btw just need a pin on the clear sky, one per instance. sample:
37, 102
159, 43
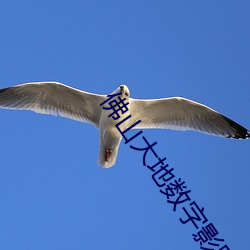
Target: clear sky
53, 194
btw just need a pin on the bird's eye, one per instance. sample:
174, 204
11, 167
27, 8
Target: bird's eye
126, 93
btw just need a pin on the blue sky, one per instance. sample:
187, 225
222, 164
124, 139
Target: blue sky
53, 194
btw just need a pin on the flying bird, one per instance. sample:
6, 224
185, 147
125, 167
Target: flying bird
175, 113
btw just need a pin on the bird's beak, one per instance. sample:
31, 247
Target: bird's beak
122, 88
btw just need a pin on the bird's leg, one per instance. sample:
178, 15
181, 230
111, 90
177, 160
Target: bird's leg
108, 154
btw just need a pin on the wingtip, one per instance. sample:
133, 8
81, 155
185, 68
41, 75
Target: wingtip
239, 131
3, 90
248, 135
241, 135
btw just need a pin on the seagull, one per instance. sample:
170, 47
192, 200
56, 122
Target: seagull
175, 113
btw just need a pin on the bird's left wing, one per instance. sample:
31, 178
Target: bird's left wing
53, 98
182, 114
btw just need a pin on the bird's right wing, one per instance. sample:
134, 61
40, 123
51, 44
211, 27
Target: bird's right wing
182, 114
54, 98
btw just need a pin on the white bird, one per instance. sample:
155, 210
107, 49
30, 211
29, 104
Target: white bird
167, 113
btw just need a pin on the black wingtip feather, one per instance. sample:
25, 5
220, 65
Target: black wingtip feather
3, 90
239, 131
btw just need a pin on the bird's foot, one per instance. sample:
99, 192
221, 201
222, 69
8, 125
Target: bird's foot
108, 154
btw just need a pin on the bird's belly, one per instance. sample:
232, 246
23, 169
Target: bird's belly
108, 130
109, 122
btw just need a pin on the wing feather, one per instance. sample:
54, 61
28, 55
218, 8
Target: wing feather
178, 113
53, 98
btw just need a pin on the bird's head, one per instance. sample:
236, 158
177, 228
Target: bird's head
122, 89
125, 91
